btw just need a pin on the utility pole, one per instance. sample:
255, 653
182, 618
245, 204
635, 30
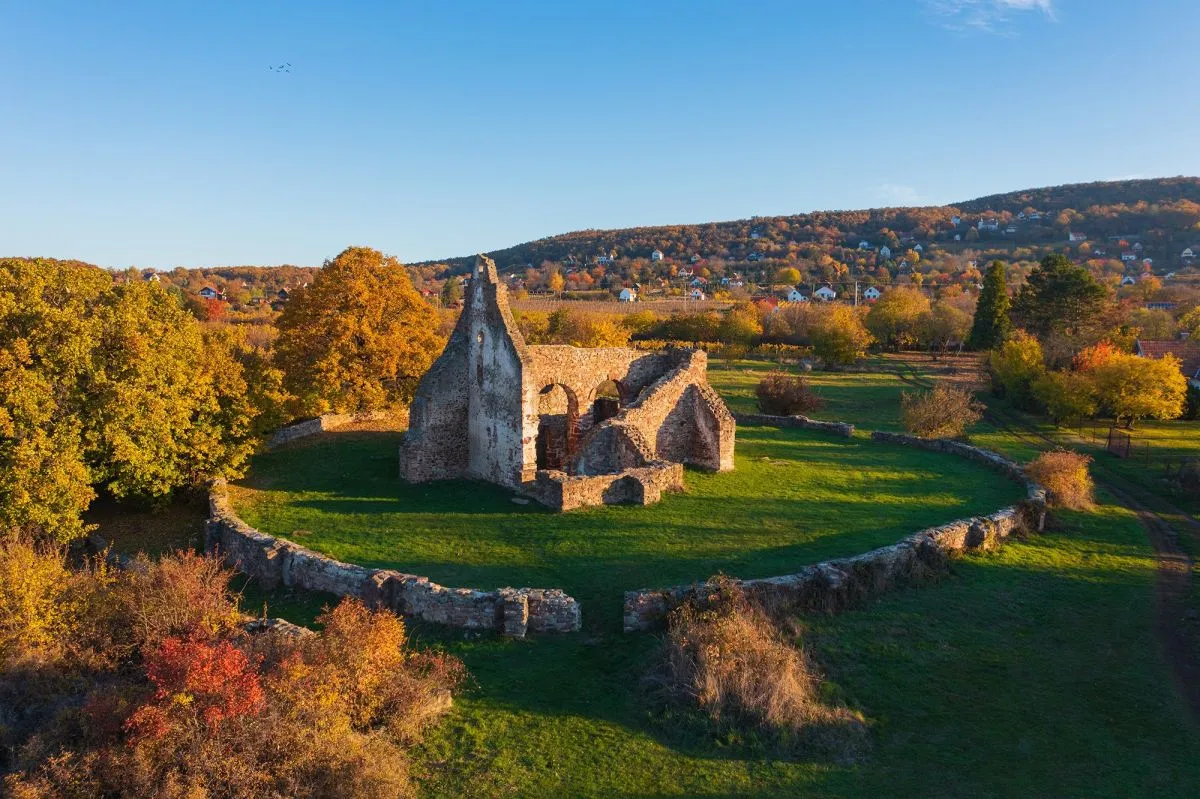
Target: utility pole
856, 294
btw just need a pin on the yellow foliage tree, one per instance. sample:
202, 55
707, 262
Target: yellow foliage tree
895, 318
1016, 364
1133, 388
838, 335
358, 338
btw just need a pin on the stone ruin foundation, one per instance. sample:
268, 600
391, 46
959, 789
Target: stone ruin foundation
567, 426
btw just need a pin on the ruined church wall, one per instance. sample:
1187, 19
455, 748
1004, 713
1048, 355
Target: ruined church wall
434, 446
582, 370
274, 562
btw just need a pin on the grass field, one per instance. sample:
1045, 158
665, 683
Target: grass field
795, 497
1032, 671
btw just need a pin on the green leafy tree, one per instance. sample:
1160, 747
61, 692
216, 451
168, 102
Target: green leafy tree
1066, 396
1059, 297
991, 324
358, 337
451, 291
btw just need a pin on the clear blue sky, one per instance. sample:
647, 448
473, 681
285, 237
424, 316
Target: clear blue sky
153, 134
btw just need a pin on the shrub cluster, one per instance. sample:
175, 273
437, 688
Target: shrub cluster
1064, 474
945, 411
725, 659
143, 682
782, 394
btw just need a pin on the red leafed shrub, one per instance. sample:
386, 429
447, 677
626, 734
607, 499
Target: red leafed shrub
781, 394
194, 679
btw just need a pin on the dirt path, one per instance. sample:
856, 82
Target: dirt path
1176, 621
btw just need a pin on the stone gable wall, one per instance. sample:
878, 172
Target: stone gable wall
274, 562
836, 584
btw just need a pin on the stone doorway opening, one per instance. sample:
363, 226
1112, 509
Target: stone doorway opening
558, 428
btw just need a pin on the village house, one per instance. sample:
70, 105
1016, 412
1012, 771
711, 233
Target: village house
627, 295
864, 245
885, 252
1128, 256
754, 256
871, 294
956, 220
1010, 229
988, 224
918, 248
794, 295
696, 294
1128, 280
210, 293
656, 255
825, 294
150, 275
1073, 236
1187, 254
1186, 350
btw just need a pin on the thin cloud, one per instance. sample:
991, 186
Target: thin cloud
985, 16
894, 195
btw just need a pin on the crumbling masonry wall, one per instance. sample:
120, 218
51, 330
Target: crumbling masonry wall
478, 413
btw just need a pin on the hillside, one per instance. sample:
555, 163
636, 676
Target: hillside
1162, 214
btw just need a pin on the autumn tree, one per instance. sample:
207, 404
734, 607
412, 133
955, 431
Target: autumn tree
839, 336
943, 325
113, 387
1015, 365
451, 291
894, 319
1067, 396
1133, 388
358, 337
991, 324
739, 325
1058, 297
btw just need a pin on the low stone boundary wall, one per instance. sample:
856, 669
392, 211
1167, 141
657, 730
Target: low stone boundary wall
838, 428
835, 584
310, 427
273, 562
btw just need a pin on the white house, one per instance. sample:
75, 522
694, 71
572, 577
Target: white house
918, 248
1128, 257
956, 220
1128, 280
627, 295
988, 224
864, 245
1137, 246
794, 295
958, 237
695, 294
1010, 229
885, 252
1073, 236
695, 259
825, 294
1148, 263
604, 260
656, 255
209, 293
699, 281
871, 294
1187, 254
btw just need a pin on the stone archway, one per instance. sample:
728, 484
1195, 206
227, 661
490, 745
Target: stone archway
558, 427
607, 401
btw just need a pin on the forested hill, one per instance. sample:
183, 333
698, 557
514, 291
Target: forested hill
1162, 211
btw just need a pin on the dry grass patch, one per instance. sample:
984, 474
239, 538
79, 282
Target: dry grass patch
1064, 474
724, 658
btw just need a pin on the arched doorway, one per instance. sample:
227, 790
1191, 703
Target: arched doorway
606, 402
558, 427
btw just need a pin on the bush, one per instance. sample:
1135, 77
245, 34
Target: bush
724, 658
1064, 475
781, 394
943, 412
144, 682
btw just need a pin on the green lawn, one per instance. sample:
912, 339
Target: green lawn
1032, 671
796, 497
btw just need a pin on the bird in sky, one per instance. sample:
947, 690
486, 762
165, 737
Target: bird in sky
286, 67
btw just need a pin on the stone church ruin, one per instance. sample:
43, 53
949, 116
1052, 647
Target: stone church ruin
567, 426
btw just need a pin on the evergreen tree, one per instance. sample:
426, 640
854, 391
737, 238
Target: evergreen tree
991, 325
451, 292
1058, 297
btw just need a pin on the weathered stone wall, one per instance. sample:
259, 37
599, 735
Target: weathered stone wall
837, 428
633, 486
310, 427
478, 412
835, 584
274, 562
